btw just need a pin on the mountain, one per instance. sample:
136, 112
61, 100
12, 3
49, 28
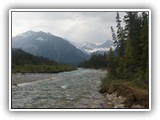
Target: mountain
93, 48
88, 46
106, 44
50, 46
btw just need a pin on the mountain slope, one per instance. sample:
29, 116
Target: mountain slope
50, 46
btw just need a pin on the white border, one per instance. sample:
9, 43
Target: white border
150, 62
81, 10
78, 10
10, 42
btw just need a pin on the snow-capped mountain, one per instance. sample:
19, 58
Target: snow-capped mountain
93, 48
50, 46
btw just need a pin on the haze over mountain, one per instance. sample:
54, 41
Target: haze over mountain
50, 46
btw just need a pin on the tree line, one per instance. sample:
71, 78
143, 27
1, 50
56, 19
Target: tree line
96, 61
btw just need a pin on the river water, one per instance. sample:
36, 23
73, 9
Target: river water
75, 89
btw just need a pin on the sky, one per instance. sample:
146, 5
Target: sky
78, 27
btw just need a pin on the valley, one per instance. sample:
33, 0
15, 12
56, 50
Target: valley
114, 73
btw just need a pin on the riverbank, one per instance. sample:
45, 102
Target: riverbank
30, 73
124, 94
31, 68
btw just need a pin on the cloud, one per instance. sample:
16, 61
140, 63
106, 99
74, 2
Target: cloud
75, 26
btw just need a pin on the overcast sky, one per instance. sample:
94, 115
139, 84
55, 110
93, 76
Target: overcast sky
78, 27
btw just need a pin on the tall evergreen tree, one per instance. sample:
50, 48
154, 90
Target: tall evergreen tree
132, 30
111, 62
120, 37
129, 61
144, 42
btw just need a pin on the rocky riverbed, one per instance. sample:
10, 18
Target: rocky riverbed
75, 89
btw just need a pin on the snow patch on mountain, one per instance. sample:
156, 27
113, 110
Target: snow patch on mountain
41, 39
97, 49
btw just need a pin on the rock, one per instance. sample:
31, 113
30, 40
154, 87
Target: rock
119, 106
137, 106
114, 101
64, 86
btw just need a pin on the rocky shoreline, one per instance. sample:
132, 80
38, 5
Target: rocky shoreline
121, 96
113, 101
20, 78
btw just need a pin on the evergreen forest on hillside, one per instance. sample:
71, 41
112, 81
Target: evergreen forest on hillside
24, 62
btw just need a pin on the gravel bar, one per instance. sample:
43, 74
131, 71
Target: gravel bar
19, 78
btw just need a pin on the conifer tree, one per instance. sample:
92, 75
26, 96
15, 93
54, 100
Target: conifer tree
129, 62
120, 36
144, 42
111, 62
132, 30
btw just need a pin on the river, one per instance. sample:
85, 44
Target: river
75, 89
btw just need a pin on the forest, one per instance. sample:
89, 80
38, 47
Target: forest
96, 61
132, 54
24, 62
128, 64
